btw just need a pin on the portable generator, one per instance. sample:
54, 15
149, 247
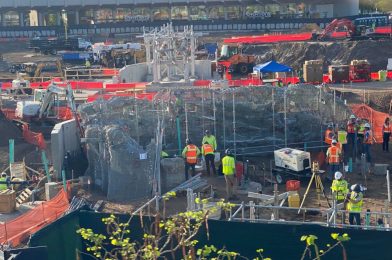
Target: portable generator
296, 161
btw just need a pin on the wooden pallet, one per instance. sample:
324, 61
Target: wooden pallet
23, 196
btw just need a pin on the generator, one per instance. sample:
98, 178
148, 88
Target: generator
296, 161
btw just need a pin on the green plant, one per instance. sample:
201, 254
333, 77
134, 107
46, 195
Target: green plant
312, 247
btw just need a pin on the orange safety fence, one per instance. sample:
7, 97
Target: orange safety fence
9, 113
15, 231
375, 118
33, 137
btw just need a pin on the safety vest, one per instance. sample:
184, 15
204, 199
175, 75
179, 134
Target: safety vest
342, 137
228, 165
3, 186
368, 140
164, 154
351, 127
328, 136
191, 154
333, 154
355, 207
386, 128
361, 129
208, 149
340, 187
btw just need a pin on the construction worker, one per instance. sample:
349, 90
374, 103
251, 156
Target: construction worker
190, 153
386, 134
209, 138
334, 157
3, 179
342, 140
329, 134
360, 135
228, 169
164, 154
354, 205
339, 188
367, 143
207, 150
352, 128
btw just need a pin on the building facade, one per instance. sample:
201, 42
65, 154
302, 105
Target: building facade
90, 12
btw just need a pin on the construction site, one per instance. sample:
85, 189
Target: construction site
111, 127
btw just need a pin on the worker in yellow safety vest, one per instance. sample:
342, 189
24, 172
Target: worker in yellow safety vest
360, 134
3, 184
228, 170
207, 150
339, 187
190, 154
354, 205
209, 138
333, 158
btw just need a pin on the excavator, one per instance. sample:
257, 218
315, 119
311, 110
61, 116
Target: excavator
234, 61
48, 99
353, 32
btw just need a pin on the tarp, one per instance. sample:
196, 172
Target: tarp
375, 118
272, 66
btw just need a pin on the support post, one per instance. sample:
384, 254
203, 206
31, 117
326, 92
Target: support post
224, 121
285, 117
388, 186
11, 143
45, 163
178, 136
64, 180
234, 128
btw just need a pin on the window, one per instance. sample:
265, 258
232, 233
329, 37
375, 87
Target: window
11, 18
216, 12
161, 13
179, 13
198, 12
103, 15
233, 12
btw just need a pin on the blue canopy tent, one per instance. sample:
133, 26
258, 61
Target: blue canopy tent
272, 66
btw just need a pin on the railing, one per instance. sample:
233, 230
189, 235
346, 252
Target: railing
148, 204
270, 214
89, 73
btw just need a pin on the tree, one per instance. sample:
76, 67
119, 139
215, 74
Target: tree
170, 236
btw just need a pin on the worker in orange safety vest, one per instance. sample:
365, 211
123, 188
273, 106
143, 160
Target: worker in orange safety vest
367, 142
208, 152
352, 129
190, 154
334, 157
386, 134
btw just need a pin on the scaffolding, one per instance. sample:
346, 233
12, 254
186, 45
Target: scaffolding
170, 54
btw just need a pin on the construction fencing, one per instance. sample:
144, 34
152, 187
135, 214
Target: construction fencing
16, 231
375, 118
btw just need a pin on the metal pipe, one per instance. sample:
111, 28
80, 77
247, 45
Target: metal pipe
285, 116
234, 128
224, 121
388, 186
273, 117
214, 110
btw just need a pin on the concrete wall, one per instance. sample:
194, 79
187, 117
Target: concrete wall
64, 137
134, 73
203, 69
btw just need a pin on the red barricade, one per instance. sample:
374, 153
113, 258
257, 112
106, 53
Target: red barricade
86, 85
375, 118
110, 72
33, 138
270, 38
389, 75
119, 86
14, 232
374, 76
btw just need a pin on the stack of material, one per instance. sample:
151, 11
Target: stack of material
339, 73
7, 201
360, 70
313, 71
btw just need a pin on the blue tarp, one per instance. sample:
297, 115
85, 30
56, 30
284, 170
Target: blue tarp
272, 66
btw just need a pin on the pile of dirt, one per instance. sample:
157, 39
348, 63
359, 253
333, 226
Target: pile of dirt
343, 52
8, 130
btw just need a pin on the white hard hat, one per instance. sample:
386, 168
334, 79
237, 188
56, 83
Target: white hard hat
352, 117
334, 141
367, 125
338, 175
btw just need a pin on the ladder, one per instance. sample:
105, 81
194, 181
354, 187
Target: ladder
23, 196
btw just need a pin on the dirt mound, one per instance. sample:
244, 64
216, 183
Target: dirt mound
9, 131
295, 54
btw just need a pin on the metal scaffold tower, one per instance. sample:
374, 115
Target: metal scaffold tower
170, 54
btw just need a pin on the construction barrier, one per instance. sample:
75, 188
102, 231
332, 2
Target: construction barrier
33, 137
270, 38
374, 76
9, 113
375, 118
14, 232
